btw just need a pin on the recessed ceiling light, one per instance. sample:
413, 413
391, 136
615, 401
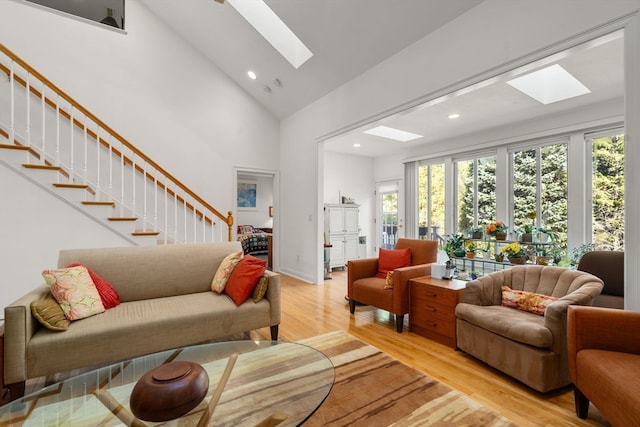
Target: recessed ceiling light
550, 84
356, 145
454, 116
271, 27
252, 75
391, 133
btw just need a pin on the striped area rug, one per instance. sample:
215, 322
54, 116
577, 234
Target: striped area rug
373, 389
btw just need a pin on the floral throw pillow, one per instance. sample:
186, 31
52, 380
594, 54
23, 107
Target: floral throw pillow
388, 282
224, 271
75, 292
526, 301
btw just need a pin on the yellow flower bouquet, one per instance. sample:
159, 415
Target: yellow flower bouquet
515, 253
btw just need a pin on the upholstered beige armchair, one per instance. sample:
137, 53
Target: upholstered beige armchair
365, 287
523, 334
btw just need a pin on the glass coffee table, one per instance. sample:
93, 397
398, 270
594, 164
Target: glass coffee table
268, 378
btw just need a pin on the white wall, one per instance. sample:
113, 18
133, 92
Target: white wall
50, 224
153, 89
494, 33
352, 176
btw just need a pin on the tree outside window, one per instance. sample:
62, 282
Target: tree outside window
608, 193
476, 200
431, 196
540, 190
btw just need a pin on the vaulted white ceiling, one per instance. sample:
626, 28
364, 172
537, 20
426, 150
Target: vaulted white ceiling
347, 37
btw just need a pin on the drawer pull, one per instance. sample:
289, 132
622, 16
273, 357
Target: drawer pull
432, 309
431, 294
434, 324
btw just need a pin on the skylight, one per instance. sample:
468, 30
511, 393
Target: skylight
391, 133
271, 27
550, 84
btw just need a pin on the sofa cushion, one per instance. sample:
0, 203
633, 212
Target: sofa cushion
389, 260
388, 281
75, 292
261, 288
108, 294
510, 323
49, 313
526, 301
224, 271
244, 278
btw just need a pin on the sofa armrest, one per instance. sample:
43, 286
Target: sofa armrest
19, 327
274, 296
555, 316
401, 277
485, 290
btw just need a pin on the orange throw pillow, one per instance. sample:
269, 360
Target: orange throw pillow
389, 260
244, 278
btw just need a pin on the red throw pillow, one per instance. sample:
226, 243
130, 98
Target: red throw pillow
389, 260
244, 278
108, 294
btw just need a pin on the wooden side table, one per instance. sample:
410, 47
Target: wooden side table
432, 309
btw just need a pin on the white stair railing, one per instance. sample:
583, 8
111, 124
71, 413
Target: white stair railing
60, 132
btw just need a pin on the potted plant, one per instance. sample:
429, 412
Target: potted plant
470, 248
544, 234
497, 229
455, 246
476, 232
527, 235
543, 257
515, 253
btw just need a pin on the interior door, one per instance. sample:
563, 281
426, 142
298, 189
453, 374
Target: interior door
389, 222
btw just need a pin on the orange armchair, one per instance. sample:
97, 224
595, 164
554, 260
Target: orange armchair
364, 287
604, 362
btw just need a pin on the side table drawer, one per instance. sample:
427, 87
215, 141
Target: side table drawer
432, 295
435, 319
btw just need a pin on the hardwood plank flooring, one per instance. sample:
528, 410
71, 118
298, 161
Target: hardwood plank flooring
310, 310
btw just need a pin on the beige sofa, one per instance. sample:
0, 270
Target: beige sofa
166, 302
529, 347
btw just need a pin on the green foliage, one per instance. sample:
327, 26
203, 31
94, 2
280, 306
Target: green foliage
608, 193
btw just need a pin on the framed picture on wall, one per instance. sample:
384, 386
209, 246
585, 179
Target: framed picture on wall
247, 193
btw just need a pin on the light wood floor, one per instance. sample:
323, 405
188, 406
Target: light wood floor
310, 310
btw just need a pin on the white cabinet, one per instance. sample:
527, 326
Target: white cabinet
341, 227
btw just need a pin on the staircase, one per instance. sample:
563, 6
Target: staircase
57, 144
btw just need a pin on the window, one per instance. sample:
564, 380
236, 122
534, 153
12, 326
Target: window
431, 198
476, 192
540, 190
607, 189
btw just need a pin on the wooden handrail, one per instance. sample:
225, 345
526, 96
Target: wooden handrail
227, 219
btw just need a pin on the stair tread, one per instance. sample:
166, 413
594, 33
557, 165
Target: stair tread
98, 203
69, 185
145, 233
123, 218
38, 166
